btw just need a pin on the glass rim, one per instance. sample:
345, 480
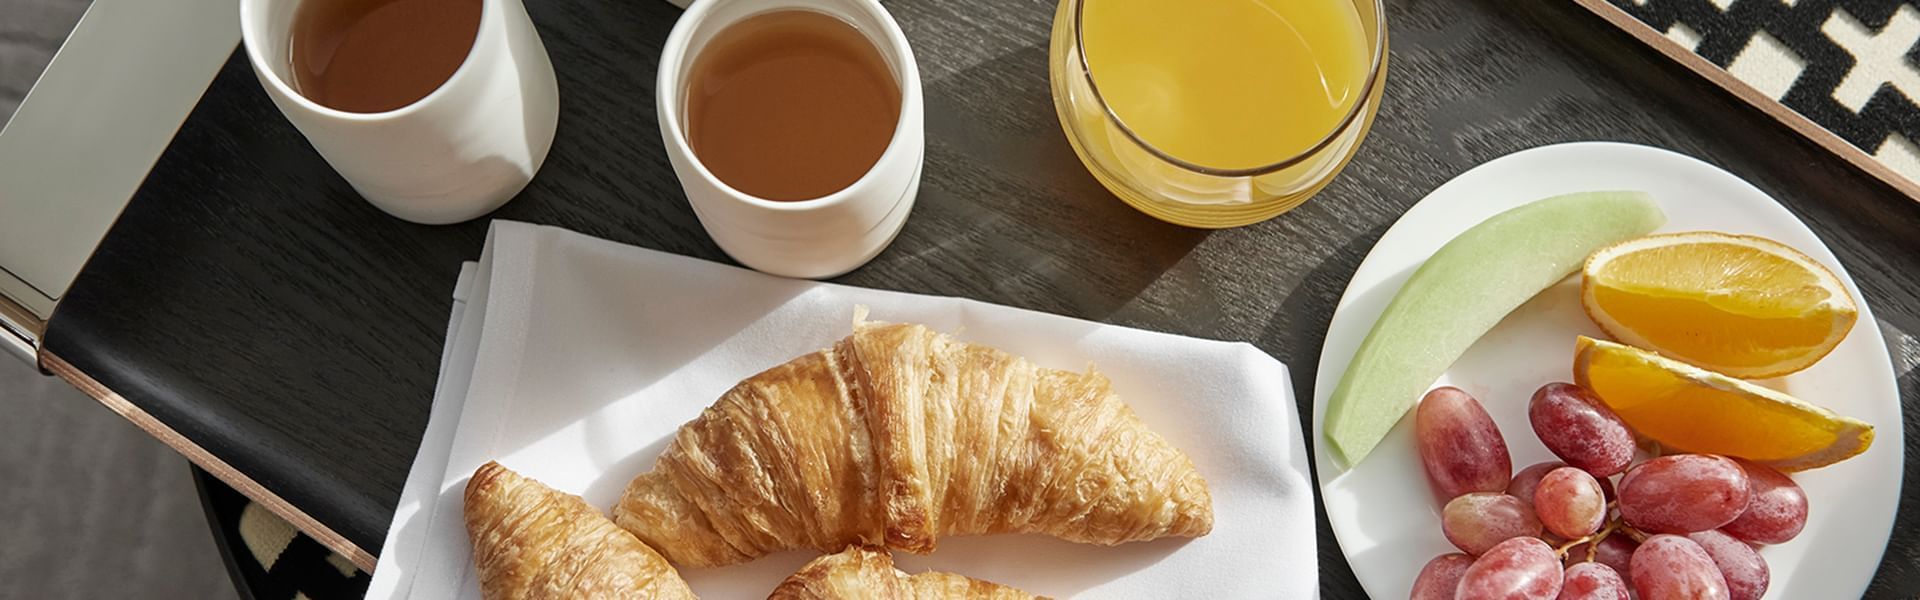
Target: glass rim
1378, 59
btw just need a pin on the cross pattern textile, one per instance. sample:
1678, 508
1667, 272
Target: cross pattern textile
1850, 66
269, 559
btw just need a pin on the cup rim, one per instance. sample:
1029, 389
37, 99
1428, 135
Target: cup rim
666, 93
272, 77
1378, 61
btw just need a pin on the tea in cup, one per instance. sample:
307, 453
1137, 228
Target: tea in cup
795, 128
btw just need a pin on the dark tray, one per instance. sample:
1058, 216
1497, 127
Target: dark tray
284, 334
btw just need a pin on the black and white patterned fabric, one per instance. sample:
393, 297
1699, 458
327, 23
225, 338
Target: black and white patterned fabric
268, 558
1847, 65
292, 565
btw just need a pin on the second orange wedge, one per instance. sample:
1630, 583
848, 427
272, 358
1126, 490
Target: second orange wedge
1689, 409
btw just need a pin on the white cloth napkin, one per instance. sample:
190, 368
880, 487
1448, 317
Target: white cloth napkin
573, 359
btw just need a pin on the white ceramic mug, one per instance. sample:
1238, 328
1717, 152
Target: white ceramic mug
817, 238
458, 153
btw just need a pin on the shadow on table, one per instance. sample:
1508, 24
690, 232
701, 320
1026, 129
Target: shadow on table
1305, 314
1007, 213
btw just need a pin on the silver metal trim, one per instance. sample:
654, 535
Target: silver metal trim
18, 339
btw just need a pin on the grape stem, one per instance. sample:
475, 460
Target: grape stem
1619, 523
1637, 535
1595, 537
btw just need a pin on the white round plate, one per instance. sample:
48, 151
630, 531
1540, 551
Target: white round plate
1381, 510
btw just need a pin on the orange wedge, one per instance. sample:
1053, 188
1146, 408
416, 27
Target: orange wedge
1689, 409
1746, 306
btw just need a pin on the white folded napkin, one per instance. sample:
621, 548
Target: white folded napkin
573, 359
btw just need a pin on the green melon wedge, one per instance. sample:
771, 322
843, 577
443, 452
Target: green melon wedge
1462, 291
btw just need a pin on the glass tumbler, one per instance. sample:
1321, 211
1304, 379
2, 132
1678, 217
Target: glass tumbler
1184, 193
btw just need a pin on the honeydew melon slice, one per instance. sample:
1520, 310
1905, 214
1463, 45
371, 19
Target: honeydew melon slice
1462, 291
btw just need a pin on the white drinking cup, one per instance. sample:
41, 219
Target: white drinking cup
458, 153
817, 238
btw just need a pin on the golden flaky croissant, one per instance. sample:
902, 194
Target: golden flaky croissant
862, 573
533, 542
898, 435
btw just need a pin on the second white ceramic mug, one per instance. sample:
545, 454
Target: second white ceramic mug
817, 238
458, 153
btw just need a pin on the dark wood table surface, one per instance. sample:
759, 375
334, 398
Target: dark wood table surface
255, 313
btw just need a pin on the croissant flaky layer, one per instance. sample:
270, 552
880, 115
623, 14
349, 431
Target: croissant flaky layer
897, 435
868, 573
533, 542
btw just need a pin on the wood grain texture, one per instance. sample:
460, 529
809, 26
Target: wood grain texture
251, 302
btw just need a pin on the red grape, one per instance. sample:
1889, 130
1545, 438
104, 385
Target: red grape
1683, 493
1581, 430
1746, 573
1615, 550
1569, 503
1528, 479
1476, 522
1670, 567
1460, 445
1521, 568
1777, 512
1593, 581
1441, 576
1606, 488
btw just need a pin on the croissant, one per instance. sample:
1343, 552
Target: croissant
897, 435
860, 573
533, 542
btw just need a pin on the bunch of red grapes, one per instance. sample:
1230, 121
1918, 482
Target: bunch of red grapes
1680, 526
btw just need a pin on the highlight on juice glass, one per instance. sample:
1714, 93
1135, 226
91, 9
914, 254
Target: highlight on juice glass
1217, 113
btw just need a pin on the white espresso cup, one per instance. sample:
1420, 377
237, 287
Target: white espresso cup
458, 153
817, 238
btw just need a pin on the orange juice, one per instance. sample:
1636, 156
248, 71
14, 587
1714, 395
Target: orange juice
1216, 113
1227, 84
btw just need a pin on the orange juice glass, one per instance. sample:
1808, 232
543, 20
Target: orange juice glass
1217, 113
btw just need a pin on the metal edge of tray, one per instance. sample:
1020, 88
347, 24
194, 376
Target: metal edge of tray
20, 329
